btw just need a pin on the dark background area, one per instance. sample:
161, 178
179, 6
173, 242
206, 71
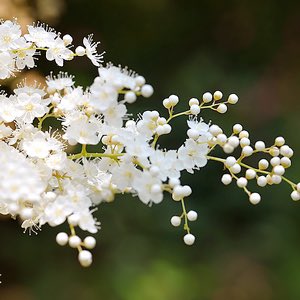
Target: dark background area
187, 48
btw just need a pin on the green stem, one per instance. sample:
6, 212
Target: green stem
186, 225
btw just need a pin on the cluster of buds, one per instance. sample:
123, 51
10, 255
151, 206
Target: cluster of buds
267, 172
65, 186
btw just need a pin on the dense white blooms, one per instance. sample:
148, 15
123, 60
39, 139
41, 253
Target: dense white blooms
41, 182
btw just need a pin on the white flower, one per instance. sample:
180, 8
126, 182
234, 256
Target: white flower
82, 131
114, 115
59, 82
148, 187
15, 183
8, 109
75, 197
103, 96
29, 89
87, 221
37, 146
40, 144
24, 55
58, 51
123, 175
31, 106
56, 213
91, 50
56, 161
166, 164
192, 155
10, 32
201, 128
40, 34
72, 100
120, 78
5, 131
7, 65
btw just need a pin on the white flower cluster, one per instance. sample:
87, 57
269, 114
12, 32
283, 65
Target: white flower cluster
42, 181
18, 51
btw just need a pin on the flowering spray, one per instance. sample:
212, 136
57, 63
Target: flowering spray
42, 181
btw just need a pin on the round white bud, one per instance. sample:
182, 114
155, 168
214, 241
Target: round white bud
167, 128
278, 170
207, 97
193, 134
130, 97
176, 221
228, 148
222, 108
233, 141
279, 141
285, 150
74, 241
67, 39
233, 99
147, 90
140, 80
160, 130
155, 189
192, 215
62, 239
254, 198
274, 151
237, 128
226, 179
215, 130
260, 146
73, 219
250, 174
218, 95
186, 189
221, 138
174, 182
275, 161
195, 109
177, 194
236, 168
80, 51
276, 179
193, 101
89, 242
295, 195
244, 142
167, 103
298, 187
230, 161
242, 182
189, 239
154, 114
263, 164
173, 100
285, 162
247, 151
244, 133
262, 181
85, 258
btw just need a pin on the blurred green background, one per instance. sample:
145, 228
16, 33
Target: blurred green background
188, 47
